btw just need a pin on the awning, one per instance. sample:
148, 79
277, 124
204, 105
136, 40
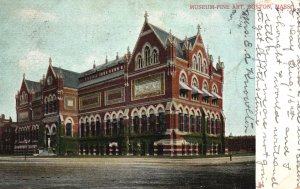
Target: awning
183, 86
216, 96
195, 90
206, 93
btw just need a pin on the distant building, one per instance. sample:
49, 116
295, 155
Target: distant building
7, 131
164, 98
241, 144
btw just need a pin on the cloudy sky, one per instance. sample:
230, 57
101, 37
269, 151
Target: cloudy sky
77, 33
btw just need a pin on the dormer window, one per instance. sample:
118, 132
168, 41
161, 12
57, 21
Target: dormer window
140, 61
23, 98
155, 56
49, 80
199, 62
147, 55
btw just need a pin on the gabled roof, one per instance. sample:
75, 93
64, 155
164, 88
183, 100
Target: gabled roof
71, 79
163, 36
33, 85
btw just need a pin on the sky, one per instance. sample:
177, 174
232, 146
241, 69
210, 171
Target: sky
77, 33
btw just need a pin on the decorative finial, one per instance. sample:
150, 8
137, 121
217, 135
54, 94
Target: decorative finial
207, 49
94, 66
199, 28
50, 61
219, 59
128, 50
23, 75
106, 59
117, 57
170, 32
146, 17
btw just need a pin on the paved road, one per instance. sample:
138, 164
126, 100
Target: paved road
214, 173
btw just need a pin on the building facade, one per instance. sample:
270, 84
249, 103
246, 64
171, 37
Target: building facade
7, 135
163, 98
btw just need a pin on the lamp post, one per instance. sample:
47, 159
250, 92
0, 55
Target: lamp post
230, 146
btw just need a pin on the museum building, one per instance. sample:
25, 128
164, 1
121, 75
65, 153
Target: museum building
163, 98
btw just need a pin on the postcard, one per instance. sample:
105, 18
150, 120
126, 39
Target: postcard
149, 94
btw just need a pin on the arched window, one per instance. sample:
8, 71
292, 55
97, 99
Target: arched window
69, 128
147, 55
198, 123
180, 119
108, 125
87, 127
205, 67
93, 128
144, 121
50, 104
152, 120
195, 89
161, 119
121, 124
185, 122
98, 127
82, 132
212, 125
205, 90
139, 61
155, 56
199, 62
183, 86
54, 104
115, 126
192, 122
136, 122
215, 95
194, 63
46, 106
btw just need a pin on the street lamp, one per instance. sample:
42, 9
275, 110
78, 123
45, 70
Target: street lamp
230, 146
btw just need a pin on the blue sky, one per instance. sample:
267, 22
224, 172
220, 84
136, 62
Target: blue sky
75, 33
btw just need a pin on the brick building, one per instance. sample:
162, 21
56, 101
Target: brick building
7, 131
163, 98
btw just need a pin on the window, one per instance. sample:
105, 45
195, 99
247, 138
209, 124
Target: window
195, 93
215, 100
98, 126
93, 127
205, 67
115, 126
108, 125
54, 104
82, 128
69, 128
161, 121
136, 123
199, 62
194, 63
46, 106
198, 123
121, 124
205, 98
144, 122
139, 61
192, 123
147, 55
87, 127
152, 120
155, 56
184, 88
